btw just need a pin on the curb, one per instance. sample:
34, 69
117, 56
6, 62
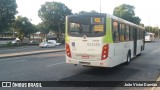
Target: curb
29, 53
156, 88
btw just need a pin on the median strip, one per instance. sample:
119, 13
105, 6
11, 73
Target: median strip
29, 53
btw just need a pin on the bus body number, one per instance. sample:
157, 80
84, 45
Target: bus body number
93, 44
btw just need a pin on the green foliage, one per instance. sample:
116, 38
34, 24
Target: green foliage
141, 24
82, 12
152, 30
126, 12
7, 14
23, 27
93, 11
9, 44
85, 12
53, 15
42, 28
148, 28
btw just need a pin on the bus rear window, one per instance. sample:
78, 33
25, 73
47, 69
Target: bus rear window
86, 25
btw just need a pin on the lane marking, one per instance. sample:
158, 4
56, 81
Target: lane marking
55, 64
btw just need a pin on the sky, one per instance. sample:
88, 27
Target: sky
147, 10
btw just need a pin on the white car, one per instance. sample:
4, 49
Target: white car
47, 44
57, 44
16, 41
149, 37
54, 41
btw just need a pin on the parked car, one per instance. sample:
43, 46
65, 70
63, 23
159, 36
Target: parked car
32, 42
57, 44
47, 44
16, 41
54, 41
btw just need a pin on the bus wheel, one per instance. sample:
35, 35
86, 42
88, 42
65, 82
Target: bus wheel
141, 51
128, 58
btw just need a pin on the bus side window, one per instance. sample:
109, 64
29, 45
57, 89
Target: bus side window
122, 30
115, 33
131, 34
137, 34
127, 33
141, 34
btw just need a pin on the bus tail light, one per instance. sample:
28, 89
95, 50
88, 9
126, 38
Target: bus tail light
105, 52
68, 52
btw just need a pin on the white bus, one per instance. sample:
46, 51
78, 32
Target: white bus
149, 37
101, 40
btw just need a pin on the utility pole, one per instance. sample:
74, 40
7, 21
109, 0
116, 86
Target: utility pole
149, 25
158, 31
100, 6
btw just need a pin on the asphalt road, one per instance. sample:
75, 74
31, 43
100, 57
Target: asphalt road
52, 67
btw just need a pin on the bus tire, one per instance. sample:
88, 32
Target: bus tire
141, 51
139, 54
128, 58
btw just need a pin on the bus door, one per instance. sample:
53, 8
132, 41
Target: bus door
134, 42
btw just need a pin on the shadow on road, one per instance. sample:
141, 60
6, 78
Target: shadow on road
103, 74
97, 77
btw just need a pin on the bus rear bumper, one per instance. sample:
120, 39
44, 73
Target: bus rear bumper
98, 63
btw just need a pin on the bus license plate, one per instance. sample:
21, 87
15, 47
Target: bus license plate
85, 57
86, 63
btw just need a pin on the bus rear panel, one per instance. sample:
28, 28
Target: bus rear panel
90, 40
84, 44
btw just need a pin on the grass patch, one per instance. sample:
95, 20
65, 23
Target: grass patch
8, 45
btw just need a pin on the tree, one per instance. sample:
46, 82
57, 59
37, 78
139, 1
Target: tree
141, 24
42, 28
148, 28
126, 12
23, 27
53, 15
7, 14
83, 12
152, 30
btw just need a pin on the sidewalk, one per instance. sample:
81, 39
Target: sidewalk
156, 88
29, 53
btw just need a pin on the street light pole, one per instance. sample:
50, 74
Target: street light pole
149, 25
158, 32
100, 6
